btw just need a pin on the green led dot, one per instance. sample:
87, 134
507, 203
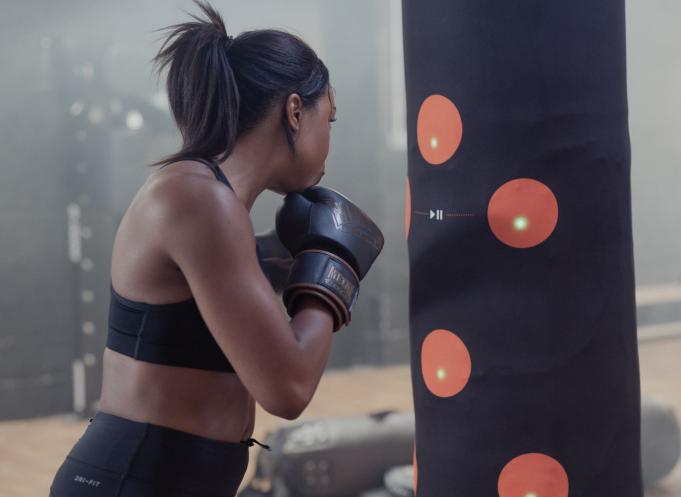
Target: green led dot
520, 223
531, 494
441, 374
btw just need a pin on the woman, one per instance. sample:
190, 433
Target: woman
197, 333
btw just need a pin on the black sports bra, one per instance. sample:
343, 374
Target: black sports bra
172, 334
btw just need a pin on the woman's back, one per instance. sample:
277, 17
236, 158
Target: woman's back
213, 404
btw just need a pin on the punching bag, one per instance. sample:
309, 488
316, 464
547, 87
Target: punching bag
518, 223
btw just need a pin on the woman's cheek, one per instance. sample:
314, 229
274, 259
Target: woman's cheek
326, 139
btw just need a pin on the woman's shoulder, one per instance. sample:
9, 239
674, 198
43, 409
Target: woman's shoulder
188, 190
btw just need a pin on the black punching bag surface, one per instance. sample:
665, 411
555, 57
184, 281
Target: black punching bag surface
518, 221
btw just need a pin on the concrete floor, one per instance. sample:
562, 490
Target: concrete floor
32, 450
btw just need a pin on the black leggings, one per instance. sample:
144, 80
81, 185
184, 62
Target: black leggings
118, 457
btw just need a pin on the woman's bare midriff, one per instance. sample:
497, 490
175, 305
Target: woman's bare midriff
207, 403
212, 404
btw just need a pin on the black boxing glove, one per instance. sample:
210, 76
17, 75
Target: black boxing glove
275, 259
333, 242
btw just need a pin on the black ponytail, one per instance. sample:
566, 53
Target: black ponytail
220, 87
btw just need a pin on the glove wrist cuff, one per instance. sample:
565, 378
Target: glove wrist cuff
327, 275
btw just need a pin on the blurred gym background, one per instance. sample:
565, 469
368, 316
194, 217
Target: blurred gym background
81, 115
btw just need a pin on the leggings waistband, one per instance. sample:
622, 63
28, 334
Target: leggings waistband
172, 433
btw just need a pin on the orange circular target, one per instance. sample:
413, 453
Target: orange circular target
438, 129
522, 213
533, 475
445, 363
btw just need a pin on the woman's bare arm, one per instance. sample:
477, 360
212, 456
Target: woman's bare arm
208, 233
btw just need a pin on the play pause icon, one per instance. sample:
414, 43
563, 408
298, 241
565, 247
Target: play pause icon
436, 214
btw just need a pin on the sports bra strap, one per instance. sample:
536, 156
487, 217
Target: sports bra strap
213, 167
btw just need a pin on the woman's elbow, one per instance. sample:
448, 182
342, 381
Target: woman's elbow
289, 407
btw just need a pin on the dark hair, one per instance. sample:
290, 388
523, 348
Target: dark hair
220, 87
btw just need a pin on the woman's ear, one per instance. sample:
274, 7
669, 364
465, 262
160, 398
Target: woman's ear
294, 109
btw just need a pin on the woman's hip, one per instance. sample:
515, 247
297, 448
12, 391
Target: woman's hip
119, 457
